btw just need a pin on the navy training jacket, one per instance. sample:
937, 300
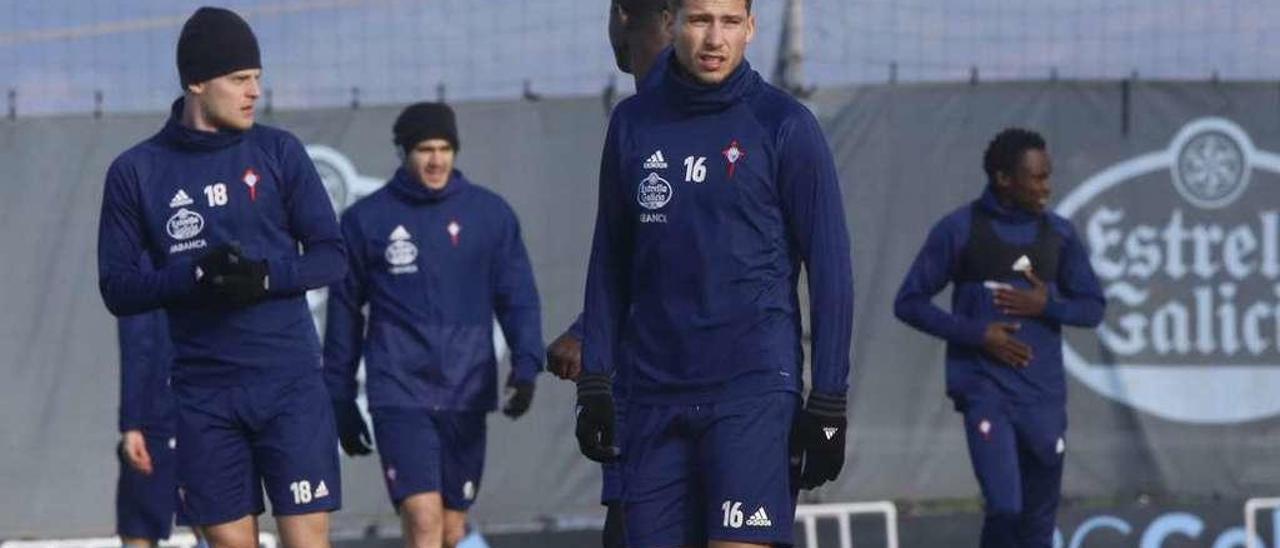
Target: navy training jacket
1075, 298
434, 268
711, 198
182, 192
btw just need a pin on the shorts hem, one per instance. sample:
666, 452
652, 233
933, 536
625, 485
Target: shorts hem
325, 509
224, 517
464, 507
397, 501
773, 540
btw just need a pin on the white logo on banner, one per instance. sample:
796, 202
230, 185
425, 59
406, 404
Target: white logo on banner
1193, 284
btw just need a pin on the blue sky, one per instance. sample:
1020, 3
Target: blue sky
57, 52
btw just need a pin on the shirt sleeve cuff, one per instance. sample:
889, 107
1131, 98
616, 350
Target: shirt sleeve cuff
523, 373
130, 424
280, 278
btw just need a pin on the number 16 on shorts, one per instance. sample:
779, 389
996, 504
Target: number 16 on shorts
732, 514
734, 519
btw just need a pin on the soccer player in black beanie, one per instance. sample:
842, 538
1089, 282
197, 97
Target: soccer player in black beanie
434, 258
422, 121
223, 208
220, 69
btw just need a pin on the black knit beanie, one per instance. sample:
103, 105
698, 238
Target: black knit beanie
215, 42
421, 121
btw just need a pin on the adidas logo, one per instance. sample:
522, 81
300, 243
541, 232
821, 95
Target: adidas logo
180, 199
656, 161
322, 490
399, 234
759, 519
830, 431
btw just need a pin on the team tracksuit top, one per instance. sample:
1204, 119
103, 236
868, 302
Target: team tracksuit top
435, 267
182, 192
146, 402
710, 199
955, 251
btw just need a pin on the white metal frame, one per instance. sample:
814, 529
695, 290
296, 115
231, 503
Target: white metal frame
183, 540
1251, 509
810, 513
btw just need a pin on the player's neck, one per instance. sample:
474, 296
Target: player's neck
193, 117
639, 69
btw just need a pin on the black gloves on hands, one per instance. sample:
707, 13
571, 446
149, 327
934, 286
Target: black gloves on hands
353, 434
595, 418
519, 398
817, 440
231, 279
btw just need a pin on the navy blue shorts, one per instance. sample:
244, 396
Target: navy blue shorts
147, 504
719, 471
235, 441
431, 451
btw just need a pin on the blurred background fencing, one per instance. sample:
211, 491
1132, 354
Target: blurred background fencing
64, 56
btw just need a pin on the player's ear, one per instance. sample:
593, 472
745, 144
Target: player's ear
1003, 180
624, 19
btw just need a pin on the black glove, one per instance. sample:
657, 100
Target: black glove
230, 278
214, 264
520, 397
595, 418
819, 435
245, 287
352, 432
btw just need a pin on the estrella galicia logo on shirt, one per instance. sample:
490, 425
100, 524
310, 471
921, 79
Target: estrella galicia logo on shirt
1186, 243
654, 192
401, 252
184, 225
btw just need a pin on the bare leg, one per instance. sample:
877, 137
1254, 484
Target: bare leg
304, 530
422, 520
241, 533
455, 527
731, 544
